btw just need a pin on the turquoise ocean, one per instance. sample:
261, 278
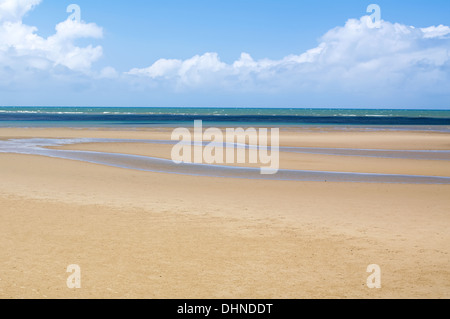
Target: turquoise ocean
146, 116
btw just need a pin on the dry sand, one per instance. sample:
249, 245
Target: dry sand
145, 235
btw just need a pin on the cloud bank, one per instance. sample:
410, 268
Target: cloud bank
353, 61
349, 58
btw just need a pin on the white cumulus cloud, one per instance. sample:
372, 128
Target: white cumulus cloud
350, 58
436, 32
14, 10
21, 48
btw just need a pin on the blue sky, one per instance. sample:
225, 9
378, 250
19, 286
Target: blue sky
125, 39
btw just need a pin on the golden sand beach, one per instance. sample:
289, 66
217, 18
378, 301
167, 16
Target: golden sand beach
139, 234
